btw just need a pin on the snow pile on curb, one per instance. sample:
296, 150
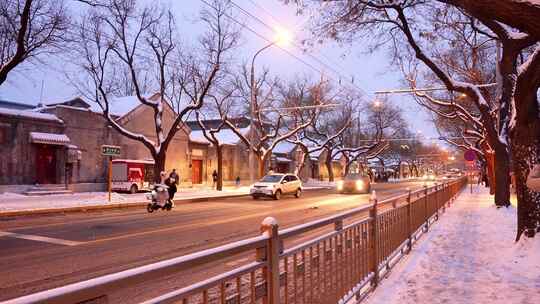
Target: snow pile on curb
469, 256
9, 195
317, 183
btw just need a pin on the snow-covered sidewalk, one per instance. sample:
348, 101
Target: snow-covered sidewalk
469, 256
16, 202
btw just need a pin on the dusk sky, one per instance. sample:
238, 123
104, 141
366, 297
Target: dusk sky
370, 72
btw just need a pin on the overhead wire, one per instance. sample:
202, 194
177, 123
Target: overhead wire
275, 19
319, 61
263, 37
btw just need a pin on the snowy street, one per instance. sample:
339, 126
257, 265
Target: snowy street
18, 202
45, 251
469, 256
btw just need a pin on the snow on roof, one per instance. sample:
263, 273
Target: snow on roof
284, 147
283, 160
120, 106
95, 109
317, 153
29, 114
224, 136
49, 138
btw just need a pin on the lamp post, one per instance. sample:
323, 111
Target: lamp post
282, 37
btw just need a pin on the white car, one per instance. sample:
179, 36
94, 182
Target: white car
276, 185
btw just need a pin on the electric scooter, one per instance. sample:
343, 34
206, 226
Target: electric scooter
159, 198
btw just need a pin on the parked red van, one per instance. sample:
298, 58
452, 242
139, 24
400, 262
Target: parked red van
132, 175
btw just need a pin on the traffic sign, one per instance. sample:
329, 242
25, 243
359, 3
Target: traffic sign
470, 155
110, 150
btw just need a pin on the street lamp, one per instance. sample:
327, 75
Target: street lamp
282, 37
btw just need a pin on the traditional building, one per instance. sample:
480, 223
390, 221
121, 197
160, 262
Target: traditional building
60, 142
33, 147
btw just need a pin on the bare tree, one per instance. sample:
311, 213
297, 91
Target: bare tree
29, 30
276, 121
510, 20
118, 36
219, 108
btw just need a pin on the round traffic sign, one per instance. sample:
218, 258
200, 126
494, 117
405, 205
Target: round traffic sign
469, 155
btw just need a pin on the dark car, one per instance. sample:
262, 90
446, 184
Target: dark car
354, 183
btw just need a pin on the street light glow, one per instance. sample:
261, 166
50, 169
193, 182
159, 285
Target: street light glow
377, 103
282, 37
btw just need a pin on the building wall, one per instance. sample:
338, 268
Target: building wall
89, 131
141, 120
18, 155
235, 163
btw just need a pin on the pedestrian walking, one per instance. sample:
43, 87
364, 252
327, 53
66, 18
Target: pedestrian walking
480, 177
214, 179
237, 181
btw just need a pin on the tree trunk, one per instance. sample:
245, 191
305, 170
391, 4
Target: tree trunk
159, 166
329, 167
347, 168
262, 161
526, 153
502, 178
219, 152
301, 163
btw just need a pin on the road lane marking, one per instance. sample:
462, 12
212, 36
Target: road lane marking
325, 202
39, 238
216, 222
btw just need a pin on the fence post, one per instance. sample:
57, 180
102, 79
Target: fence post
426, 213
436, 195
269, 227
374, 240
445, 196
409, 219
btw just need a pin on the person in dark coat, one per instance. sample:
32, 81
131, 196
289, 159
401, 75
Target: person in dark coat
171, 183
214, 179
175, 176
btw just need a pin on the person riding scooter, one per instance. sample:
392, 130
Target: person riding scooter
161, 195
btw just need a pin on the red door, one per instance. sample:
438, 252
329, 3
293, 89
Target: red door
46, 164
196, 171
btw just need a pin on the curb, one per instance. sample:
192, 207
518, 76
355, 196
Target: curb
5, 214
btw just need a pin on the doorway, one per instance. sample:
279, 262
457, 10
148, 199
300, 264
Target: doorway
45, 164
196, 171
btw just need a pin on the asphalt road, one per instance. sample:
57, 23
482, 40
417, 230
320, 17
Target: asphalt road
42, 252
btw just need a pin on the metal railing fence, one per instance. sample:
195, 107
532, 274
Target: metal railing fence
336, 266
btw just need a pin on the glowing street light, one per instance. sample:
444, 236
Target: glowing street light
282, 38
377, 103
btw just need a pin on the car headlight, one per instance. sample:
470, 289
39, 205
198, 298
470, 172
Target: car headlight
359, 184
340, 185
